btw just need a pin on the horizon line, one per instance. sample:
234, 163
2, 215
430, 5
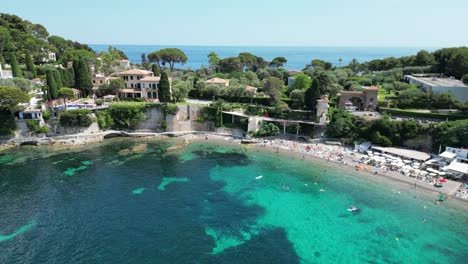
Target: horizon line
273, 46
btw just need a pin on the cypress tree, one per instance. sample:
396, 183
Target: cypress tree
312, 95
2, 61
75, 71
14, 65
52, 86
67, 77
29, 63
57, 74
83, 78
155, 70
164, 88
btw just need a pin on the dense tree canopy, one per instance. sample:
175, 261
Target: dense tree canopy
10, 98
213, 59
273, 87
168, 56
278, 62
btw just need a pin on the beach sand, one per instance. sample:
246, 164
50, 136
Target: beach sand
329, 155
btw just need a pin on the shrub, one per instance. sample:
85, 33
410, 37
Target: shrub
408, 113
170, 109
33, 126
46, 115
76, 118
126, 115
268, 130
104, 119
465, 79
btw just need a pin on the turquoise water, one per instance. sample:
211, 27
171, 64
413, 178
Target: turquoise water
297, 57
207, 204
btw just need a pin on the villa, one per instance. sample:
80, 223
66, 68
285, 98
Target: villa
140, 84
99, 79
217, 81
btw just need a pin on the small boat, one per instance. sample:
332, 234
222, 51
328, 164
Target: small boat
321, 190
352, 209
442, 198
259, 177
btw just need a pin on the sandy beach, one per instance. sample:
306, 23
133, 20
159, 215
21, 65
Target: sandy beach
333, 155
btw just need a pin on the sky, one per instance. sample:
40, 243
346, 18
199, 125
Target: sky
389, 23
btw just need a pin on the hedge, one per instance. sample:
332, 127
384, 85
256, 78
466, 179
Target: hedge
76, 118
408, 113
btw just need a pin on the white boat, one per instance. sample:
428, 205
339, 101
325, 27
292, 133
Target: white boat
259, 177
352, 209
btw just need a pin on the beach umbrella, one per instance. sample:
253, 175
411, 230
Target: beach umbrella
443, 180
441, 173
432, 174
369, 152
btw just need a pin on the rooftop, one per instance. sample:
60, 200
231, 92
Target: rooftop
250, 88
434, 81
371, 88
136, 72
217, 80
151, 79
457, 166
406, 153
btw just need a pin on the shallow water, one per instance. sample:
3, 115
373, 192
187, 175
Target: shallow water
206, 204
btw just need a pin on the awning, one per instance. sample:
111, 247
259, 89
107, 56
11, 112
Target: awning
448, 155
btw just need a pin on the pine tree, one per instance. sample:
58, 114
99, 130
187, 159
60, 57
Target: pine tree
83, 78
14, 65
164, 88
29, 63
155, 70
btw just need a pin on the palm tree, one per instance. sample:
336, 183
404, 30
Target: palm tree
219, 105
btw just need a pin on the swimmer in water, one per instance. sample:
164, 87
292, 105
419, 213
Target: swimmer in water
424, 220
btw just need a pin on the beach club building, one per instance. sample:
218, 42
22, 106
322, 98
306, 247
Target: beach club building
439, 85
140, 84
457, 160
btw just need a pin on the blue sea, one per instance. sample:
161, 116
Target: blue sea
162, 201
297, 57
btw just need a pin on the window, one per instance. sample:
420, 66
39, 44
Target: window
149, 94
132, 85
100, 81
371, 99
154, 95
131, 77
94, 81
143, 85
